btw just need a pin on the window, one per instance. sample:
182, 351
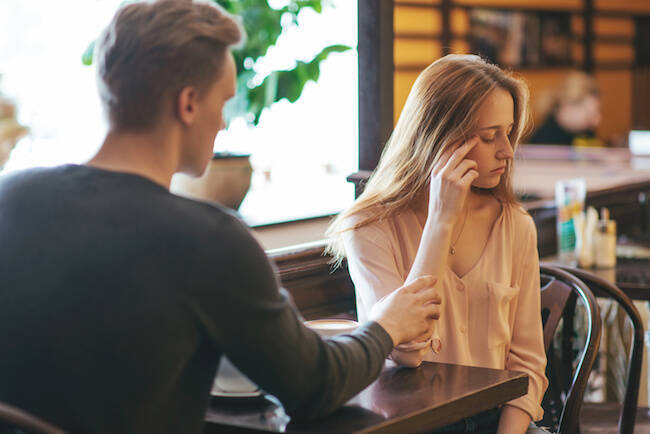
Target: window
301, 153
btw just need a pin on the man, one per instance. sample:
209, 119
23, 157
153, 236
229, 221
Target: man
118, 298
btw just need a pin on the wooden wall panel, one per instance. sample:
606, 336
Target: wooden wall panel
578, 52
641, 98
403, 82
417, 20
423, 2
612, 49
533, 4
460, 46
459, 21
614, 26
616, 91
604, 52
577, 25
641, 6
416, 52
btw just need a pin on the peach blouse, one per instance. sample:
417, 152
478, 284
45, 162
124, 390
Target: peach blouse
490, 317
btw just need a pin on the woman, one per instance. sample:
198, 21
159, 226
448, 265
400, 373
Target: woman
570, 113
441, 203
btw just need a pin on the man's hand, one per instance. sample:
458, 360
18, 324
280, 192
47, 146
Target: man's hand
408, 312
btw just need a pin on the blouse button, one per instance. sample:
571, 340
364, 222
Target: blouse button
460, 287
463, 329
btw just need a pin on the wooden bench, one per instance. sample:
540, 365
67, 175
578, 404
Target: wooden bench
317, 289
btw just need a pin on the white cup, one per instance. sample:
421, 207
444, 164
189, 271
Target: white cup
332, 327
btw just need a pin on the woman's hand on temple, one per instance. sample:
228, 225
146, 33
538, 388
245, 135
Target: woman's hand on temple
408, 313
451, 179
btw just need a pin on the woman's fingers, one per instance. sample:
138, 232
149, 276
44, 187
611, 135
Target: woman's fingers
429, 296
460, 153
433, 311
468, 178
419, 284
464, 167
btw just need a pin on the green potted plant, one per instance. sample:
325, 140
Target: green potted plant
227, 179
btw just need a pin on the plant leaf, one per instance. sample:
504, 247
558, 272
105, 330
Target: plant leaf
290, 83
87, 56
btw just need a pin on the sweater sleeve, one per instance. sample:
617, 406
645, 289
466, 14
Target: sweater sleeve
527, 345
258, 328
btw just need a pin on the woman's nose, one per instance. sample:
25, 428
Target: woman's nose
505, 151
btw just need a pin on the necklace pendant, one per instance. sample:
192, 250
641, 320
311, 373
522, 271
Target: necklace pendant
452, 250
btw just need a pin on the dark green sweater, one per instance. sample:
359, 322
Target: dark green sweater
117, 300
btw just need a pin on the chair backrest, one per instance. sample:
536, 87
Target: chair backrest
563, 399
603, 288
13, 417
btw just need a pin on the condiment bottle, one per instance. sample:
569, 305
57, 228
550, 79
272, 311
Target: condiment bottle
605, 241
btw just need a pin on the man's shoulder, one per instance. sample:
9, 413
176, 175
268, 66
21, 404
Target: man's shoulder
115, 194
208, 214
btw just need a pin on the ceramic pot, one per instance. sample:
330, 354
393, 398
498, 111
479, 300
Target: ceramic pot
226, 180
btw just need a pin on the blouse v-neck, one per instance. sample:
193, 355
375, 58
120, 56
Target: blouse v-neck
497, 223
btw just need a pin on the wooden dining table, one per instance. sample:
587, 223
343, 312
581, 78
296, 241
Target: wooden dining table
399, 400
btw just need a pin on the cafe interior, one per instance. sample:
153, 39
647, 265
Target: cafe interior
586, 189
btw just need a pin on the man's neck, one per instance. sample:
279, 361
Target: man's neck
152, 154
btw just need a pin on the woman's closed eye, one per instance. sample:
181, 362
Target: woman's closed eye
488, 139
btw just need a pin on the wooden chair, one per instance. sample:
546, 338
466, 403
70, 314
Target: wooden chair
21, 421
593, 413
563, 399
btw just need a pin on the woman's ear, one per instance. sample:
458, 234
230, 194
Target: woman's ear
185, 105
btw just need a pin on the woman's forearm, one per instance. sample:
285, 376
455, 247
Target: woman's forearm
513, 420
410, 359
431, 258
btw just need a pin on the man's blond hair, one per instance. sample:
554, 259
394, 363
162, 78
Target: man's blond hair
152, 50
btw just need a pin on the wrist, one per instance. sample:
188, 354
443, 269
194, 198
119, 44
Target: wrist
390, 331
439, 223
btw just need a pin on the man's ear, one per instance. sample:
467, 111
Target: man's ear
186, 105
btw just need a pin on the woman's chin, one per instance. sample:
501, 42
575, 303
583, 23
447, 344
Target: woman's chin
486, 183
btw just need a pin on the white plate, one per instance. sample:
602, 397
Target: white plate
221, 394
232, 383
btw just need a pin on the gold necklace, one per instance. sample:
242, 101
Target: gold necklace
452, 248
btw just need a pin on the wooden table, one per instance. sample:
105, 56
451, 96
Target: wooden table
635, 290
400, 400
537, 168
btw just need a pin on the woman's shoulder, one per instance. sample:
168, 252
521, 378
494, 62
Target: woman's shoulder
520, 220
367, 226
373, 221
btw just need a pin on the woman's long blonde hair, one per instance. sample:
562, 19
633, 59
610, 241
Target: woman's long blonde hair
439, 111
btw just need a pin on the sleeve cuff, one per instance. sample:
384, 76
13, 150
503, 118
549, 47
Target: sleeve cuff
525, 403
374, 329
414, 346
